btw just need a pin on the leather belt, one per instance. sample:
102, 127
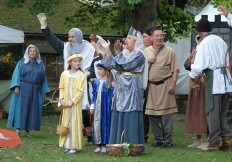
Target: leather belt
159, 82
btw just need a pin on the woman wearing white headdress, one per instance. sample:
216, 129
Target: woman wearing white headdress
130, 83
28, 86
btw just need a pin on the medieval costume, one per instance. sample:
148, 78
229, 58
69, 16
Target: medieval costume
26, 108
160, 104
195, 119
210, 60
102, 100
128, 102
71, 90
65, 49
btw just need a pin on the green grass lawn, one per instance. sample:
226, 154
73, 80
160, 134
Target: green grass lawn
44, 147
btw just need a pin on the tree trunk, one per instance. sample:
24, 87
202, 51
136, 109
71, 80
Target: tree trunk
143, 16
145, 13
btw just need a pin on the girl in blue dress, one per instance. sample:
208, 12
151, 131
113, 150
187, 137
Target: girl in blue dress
101, 108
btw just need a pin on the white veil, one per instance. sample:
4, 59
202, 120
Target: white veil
26, 54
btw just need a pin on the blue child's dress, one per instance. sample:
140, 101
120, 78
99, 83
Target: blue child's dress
102, 100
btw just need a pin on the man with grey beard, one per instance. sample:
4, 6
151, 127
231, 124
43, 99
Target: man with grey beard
75, 45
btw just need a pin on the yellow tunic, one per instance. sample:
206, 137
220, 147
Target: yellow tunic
72, 88
159, 101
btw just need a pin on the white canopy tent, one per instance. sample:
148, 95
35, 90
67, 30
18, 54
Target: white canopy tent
9, 35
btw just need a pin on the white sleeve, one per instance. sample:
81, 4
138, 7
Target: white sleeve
229, 19
91, 107
201, 61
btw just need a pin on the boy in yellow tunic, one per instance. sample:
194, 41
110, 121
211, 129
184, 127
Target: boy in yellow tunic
72, 85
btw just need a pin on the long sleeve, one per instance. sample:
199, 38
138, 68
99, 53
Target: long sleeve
132, 62
111, 91
45, 88
109, 63
80, 90
61, 86
201, 61
95, 89
229, 19
55, 42
16, 76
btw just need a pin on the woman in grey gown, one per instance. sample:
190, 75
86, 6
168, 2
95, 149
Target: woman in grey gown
128, 102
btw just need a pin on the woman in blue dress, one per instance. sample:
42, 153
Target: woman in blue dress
28, 86
130, 82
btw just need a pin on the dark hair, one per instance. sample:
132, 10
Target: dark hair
149, 30
110, 78
154, 29
203, 25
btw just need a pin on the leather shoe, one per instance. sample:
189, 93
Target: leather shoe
226, 144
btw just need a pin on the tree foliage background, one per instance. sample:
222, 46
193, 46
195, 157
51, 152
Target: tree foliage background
114, 17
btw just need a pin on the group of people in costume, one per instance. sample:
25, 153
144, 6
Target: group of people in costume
133, 88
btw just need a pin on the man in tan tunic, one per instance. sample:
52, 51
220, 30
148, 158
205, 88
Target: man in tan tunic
161, 103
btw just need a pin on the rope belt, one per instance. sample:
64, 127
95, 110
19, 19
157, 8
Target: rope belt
159, 82
30, 82
225, 74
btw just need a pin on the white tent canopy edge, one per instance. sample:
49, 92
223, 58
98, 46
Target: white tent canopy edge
9, 35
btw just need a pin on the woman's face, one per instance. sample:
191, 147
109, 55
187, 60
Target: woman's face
101, 71
147, 40
75, 63
32, 53
130, 42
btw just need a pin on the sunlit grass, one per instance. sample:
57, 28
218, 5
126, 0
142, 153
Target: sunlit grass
44, 147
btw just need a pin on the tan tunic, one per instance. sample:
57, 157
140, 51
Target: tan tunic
159, 101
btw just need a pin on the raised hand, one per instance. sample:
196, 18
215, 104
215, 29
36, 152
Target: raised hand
223, 11
94, 44
105, 44
43, 20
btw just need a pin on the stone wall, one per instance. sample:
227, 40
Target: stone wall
219, 28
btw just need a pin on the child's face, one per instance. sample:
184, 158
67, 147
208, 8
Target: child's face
75, 63
101, 71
